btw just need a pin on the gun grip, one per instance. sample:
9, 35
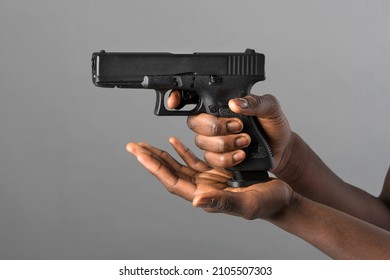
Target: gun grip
259, 157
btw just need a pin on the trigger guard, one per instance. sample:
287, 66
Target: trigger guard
161, 110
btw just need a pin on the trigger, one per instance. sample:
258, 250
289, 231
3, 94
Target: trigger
187, 97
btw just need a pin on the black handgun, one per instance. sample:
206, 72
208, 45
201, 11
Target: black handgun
208, 80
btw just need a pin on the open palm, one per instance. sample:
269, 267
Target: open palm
207, 187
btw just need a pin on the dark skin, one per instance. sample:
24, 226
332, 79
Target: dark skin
307, 199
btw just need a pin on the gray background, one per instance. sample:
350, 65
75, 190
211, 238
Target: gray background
68, 188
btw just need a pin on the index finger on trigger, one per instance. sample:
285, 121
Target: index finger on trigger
174, 99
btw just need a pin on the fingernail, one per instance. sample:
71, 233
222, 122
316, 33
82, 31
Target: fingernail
243, 103
206, 203
239, 156
241, 142
233, 126
212, 203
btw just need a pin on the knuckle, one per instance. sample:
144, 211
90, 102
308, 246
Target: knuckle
271, 98
164, 155
252, 208
171, 188
250, 214
226, 146
258, 99
222, 145
217, 144
214, 128
254, 100
224, 206
232, 206
217, 159
224, 160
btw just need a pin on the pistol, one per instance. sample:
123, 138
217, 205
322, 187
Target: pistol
207, 81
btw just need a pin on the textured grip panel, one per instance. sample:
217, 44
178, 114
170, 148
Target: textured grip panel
258, 154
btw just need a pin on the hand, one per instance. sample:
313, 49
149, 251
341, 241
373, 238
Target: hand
221, 139
206, 187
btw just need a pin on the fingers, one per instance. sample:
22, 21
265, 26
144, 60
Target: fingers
167, 159
265, 107
224, 160
220, 144
210, 125
217, 160
166, 169
163, 156
188, 156
220, 138
217, 175
223, 151
223, 139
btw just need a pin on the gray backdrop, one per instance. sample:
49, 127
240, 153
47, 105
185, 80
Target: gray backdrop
68, 188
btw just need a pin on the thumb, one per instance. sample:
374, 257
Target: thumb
240, 204
266, 106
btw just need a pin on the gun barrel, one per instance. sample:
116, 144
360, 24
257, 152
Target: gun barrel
120, 69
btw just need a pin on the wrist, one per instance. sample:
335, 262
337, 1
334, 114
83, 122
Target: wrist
282, 217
